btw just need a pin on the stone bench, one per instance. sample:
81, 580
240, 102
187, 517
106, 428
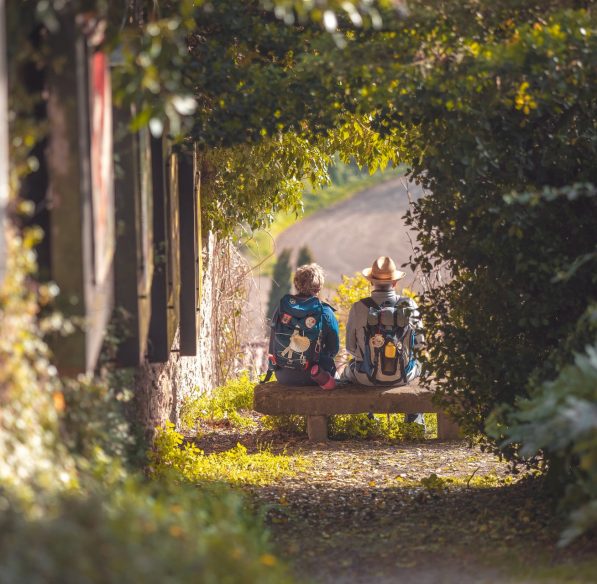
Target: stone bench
317, 404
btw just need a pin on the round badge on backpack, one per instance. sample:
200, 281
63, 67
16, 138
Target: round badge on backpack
377, 341
310, 322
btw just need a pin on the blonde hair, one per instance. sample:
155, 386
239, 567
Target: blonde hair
309, 279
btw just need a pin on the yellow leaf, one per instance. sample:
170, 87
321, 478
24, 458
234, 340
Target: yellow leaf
268, 560
59, 403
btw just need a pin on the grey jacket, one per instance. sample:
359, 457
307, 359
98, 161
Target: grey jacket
357, 321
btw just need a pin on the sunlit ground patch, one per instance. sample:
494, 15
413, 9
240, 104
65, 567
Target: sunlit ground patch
172, 458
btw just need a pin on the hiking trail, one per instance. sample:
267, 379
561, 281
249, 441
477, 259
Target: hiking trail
422, 512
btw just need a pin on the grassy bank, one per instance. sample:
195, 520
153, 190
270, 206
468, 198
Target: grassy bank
260, 248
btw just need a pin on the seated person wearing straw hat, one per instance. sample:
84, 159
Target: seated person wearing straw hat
383, 332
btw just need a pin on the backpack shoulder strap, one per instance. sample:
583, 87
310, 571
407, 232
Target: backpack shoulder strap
285, 299
369, 302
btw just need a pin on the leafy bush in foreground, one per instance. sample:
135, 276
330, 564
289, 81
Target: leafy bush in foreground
94, 415
560, 421
32, 454
138, 533
68, 514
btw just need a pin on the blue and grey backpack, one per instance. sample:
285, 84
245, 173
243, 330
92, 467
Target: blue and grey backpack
389, 342
296, 334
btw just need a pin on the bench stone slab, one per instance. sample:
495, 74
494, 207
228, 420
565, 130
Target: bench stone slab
317, 404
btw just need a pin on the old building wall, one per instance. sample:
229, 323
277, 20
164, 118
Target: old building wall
161, 387
207, 365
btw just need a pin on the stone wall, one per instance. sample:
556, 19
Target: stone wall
205, 348
161, 387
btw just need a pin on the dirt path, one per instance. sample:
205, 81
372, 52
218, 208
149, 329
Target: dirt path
348, 236
422, 513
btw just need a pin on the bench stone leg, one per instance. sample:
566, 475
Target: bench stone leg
447, 429
317, 428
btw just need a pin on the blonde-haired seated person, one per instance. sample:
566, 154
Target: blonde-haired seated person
304, 335
383, 333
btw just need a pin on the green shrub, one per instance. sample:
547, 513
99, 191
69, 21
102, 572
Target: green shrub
379, 427
178, 462
559, 421
354, 426
68, 512
224, 403
502, 137
138, 533
289, 424
32, 453
94, 415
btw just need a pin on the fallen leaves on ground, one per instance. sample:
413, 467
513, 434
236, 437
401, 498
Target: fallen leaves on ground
369, 511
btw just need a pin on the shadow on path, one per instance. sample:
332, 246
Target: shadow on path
423, 513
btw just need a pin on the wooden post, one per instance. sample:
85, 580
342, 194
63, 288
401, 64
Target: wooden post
173, 237
188, 256
317, 428
134, 257
197, 160
165, 292
159, 343
79, 163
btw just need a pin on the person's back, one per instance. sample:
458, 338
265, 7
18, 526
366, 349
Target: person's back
382, 331
304, 331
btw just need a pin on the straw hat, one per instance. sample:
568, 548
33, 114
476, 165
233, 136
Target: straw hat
383, 270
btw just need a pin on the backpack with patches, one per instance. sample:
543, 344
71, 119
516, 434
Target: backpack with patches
297, 332
389, 342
